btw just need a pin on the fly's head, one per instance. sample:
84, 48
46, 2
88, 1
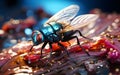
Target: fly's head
37, 37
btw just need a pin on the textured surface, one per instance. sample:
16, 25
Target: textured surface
104, 51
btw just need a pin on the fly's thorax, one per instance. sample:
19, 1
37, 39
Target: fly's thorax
51, 28
57, 26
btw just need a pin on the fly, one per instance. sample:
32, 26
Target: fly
62, 27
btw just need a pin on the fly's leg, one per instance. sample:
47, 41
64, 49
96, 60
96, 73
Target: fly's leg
63, 48
31, 48
69, 43
50, 44
79, 42
72, 37
67, 39
43, 46
82, 35
80, 45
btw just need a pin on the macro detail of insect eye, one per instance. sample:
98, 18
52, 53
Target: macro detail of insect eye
39, 38
35, 32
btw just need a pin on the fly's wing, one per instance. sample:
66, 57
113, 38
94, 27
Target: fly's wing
81, 21
64, 15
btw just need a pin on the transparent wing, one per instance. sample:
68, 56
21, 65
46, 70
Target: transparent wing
64, 15
81, 21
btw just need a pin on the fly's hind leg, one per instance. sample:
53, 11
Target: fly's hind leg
80, 45
72, 37
79, 42
82, 35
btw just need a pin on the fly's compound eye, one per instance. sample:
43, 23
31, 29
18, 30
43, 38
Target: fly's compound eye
35, 32
37, 37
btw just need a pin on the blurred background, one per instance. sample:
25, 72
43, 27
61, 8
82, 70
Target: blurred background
19, 17
20, 9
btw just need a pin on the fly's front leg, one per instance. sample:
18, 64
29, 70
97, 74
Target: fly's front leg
31, 48
43, 46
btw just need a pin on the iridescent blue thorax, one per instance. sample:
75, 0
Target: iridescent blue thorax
50, 31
